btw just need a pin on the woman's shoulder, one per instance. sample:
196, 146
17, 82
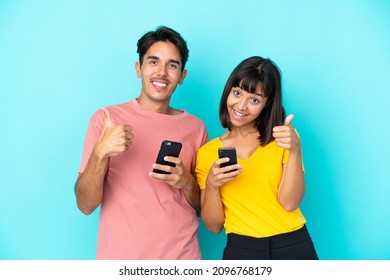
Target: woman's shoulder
211, 145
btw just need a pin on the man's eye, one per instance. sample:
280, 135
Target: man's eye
173, 65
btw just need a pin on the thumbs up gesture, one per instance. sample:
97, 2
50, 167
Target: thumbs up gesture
115, 139
285, 135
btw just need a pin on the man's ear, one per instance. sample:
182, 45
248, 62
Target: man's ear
138, 69
183, 76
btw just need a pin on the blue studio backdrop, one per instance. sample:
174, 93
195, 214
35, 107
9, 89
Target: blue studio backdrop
62, 60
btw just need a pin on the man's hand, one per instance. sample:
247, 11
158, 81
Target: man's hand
115, 139
179, 178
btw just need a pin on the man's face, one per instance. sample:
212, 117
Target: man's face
160, 72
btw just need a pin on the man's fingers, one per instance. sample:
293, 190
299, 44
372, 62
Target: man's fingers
175, 160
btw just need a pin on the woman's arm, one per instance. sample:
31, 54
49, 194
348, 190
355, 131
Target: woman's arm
292, 185
212, 211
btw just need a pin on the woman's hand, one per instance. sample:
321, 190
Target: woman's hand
286, 137
218, 176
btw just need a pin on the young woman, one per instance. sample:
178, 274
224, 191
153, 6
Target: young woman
256, 200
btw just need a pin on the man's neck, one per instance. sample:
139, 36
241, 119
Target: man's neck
158, 107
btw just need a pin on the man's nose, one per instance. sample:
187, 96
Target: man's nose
162, 70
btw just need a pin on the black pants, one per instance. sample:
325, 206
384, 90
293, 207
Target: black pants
296, 245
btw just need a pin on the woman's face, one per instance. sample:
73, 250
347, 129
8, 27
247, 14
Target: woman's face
245, 107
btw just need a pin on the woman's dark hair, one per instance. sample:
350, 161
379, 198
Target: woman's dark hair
164, 34
246, 76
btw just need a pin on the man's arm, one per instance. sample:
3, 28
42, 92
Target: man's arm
89, 185
192, 194
114, 140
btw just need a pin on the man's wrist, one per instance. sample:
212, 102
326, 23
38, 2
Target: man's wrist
189, 186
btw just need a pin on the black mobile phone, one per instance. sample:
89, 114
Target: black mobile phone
168, 148
229, 152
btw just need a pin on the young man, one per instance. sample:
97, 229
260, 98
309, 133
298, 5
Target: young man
144, 214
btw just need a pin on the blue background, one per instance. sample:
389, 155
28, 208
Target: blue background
62, 60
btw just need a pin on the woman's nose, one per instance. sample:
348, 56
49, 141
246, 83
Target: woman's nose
241, 104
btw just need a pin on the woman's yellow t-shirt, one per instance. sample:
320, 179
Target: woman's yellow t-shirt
250, 200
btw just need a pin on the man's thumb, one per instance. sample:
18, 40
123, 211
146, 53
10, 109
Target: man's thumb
107, 118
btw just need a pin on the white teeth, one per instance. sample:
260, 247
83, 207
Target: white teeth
160, 84
239, 114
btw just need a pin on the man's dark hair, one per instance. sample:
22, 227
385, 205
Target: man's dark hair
163, 34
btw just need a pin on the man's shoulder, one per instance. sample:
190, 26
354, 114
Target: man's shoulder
113, 107
194, 118
116, 110
124, 105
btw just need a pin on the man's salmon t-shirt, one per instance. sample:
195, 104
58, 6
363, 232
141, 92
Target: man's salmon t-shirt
142, 217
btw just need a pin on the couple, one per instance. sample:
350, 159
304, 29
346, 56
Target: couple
152, 215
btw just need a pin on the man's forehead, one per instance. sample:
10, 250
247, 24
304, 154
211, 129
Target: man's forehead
163, 50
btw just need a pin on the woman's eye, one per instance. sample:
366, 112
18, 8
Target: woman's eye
236, 92
255, 101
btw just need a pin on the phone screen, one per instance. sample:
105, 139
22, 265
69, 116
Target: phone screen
229, 152
168, 148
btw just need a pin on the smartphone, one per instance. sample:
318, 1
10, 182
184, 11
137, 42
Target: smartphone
229, 152
168, 148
